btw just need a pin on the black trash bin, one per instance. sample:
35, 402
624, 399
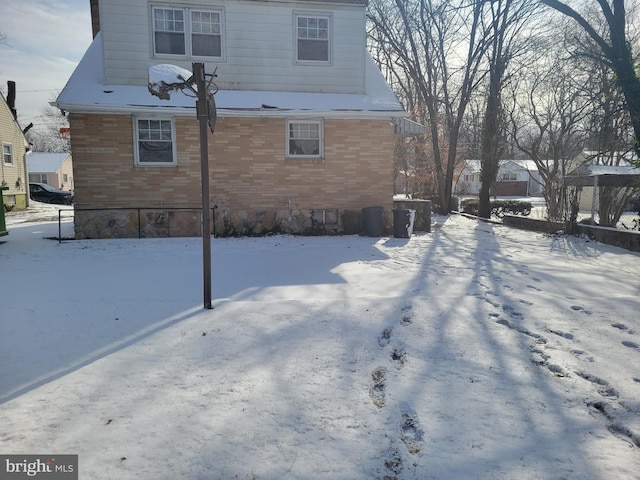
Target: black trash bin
403, 222
372, 221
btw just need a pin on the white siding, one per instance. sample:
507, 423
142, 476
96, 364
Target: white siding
258, 46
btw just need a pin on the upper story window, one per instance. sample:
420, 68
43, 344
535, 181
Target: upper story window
313, 38
7, 153
187, 32
509, 177
155, 143
304, 139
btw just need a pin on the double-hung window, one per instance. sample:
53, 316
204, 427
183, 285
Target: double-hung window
155, 145
509, 177
305, 139
313, 38
187, 32
7, 153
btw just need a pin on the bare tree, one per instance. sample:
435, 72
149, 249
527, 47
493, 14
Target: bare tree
615, 47
548, 118
432, 51
505, 20
48, 136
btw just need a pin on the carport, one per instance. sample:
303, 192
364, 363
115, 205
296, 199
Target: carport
602, 176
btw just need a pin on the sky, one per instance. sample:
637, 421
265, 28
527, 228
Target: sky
476, 351
45, 41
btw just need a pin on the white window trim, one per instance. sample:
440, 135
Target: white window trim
325, 15
12, 162
136, 146
187, 33
320, 153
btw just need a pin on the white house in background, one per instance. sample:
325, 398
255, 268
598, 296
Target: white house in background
55, 169
14, 148
515, 178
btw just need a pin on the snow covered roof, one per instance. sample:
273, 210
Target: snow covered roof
612, 170
40, 162
475, 166
86, 92
608, 175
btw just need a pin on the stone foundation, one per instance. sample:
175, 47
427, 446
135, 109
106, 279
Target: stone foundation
150, 223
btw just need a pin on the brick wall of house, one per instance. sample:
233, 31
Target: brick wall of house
255, 188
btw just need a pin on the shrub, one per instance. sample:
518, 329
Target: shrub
499, 208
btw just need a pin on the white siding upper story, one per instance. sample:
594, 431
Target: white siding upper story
258, 40
258, 74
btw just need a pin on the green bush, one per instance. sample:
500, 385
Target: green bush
499, 208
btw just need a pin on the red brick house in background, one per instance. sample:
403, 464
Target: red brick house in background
305, 126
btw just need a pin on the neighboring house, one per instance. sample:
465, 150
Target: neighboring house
518, 178
305, 126
55, 169
13, 172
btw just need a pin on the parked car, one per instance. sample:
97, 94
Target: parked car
41, 192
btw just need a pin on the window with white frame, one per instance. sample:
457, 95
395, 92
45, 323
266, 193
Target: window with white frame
155, 142
38, 178
304, 139
187, 32
7, 153
509, 177
313, 38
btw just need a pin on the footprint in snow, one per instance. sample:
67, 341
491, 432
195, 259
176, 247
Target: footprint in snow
512, 312
582, 355
411, 434
385, 338
398, 358
407, 315
633, 345
377, 389
393, 465
533, 287
557, 370
579, 308
623, 327
560, 333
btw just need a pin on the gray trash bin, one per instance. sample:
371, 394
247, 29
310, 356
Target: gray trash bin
403, 222
372, 221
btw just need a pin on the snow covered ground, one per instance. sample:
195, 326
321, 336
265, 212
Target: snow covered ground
476, 351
